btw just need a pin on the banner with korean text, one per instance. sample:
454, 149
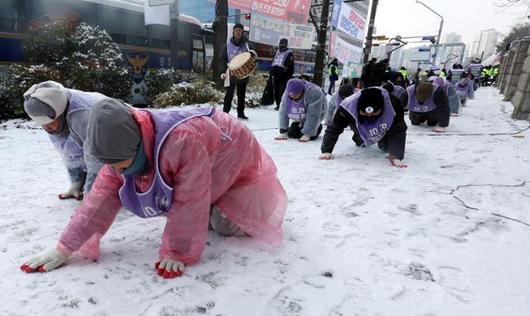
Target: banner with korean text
348, 20
293, 11
344, 51
267, 30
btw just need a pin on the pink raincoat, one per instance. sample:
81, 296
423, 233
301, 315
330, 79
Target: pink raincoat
207, 160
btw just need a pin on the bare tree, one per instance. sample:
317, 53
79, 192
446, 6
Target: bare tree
219, 27
517, 32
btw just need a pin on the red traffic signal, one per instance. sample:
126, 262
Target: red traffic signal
247, 16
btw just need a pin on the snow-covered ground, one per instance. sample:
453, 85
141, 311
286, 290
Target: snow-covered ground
449, 235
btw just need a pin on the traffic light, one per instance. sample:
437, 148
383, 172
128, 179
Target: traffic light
247, 16
432, 39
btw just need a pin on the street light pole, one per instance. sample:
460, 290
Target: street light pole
370, 32
439, 30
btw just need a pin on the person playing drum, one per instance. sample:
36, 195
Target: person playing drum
304, 103
236, 45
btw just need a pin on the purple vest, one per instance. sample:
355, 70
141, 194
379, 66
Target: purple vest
413, 104
279, 58
70, 147
233, 50
462, 89
158, 198
296, 110
371, 133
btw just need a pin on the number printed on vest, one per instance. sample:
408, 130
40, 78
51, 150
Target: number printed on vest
149, 211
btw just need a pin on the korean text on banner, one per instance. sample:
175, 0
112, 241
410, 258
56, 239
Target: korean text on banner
348, 20
269, 31
344, 51
293, 11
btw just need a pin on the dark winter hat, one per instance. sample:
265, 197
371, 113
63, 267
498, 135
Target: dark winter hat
345, 91
295, 87
113, 135
284, 41
371, 100
424, 91
238, 26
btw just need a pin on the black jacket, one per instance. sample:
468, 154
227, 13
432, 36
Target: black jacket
396, 135
442, 106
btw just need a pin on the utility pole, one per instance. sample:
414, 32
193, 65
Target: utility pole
219, 27
174, 34
370, 32
321, 46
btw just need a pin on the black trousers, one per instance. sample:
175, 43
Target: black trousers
279, 84
295, 131
229, 96
431, 117
359, 142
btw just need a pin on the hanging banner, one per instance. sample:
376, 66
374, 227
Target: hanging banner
156, 14
344, 51
293, 11
267, 30
348, 20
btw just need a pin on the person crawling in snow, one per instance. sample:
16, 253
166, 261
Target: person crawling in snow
304, 103
344, 91
63, 114
197, 167
428, 103
375, 116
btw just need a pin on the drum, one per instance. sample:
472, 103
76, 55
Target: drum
242, 65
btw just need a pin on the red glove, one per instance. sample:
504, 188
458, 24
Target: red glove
74, 192
169, 269
45, 262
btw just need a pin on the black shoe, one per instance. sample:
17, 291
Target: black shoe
242, 116
277, 108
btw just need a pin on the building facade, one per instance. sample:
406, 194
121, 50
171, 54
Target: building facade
484, 43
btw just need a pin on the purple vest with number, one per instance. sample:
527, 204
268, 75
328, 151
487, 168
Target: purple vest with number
296, 110
233, 50
279, 58
413, 104
371, 133
158, 198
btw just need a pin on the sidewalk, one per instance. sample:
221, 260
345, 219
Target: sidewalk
449, 235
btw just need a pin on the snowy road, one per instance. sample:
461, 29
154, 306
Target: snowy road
450, 235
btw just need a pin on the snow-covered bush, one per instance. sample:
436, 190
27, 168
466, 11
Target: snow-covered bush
198, 91
19, 79
82, 57
161, 80
255, 88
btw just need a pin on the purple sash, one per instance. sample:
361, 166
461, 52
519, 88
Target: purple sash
233, 50
371, 133
279, 58
413, 104
462, 89
158, 198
